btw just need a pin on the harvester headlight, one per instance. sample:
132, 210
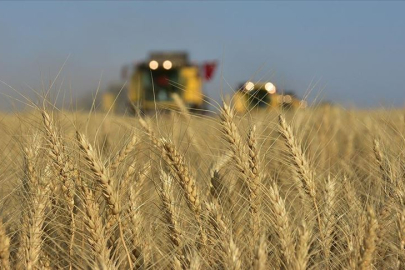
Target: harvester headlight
303, 104
153, 64
249, 86
167, 64
270, 88
287, 99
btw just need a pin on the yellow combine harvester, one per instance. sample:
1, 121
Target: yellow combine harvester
264, 96
152, 83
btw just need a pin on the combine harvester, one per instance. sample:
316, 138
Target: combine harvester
155, 83
264, 96
152, 83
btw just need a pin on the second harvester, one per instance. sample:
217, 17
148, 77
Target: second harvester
263, 95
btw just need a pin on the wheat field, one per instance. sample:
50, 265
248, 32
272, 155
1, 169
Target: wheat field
320, 188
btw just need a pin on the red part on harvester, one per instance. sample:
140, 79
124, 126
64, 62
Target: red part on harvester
162, 80
209, 69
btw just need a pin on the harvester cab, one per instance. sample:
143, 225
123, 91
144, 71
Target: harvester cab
264, 95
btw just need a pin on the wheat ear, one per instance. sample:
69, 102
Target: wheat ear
328, 218
64, 168
4, 248
100, 173
33, 221
32, 239
401, 237
282, 225
382, 162
95, 227
303, 246
232, 136
186, 114
231, 254
178, 165
124, 152
246, 162
370, 240
234, 258
169, 214
135, 216
216, 187
254, 182
102, 177
260, 259
301, 166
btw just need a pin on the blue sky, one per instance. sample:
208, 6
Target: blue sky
352, 53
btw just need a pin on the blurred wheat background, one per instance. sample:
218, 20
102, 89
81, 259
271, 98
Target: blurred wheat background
320, 188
